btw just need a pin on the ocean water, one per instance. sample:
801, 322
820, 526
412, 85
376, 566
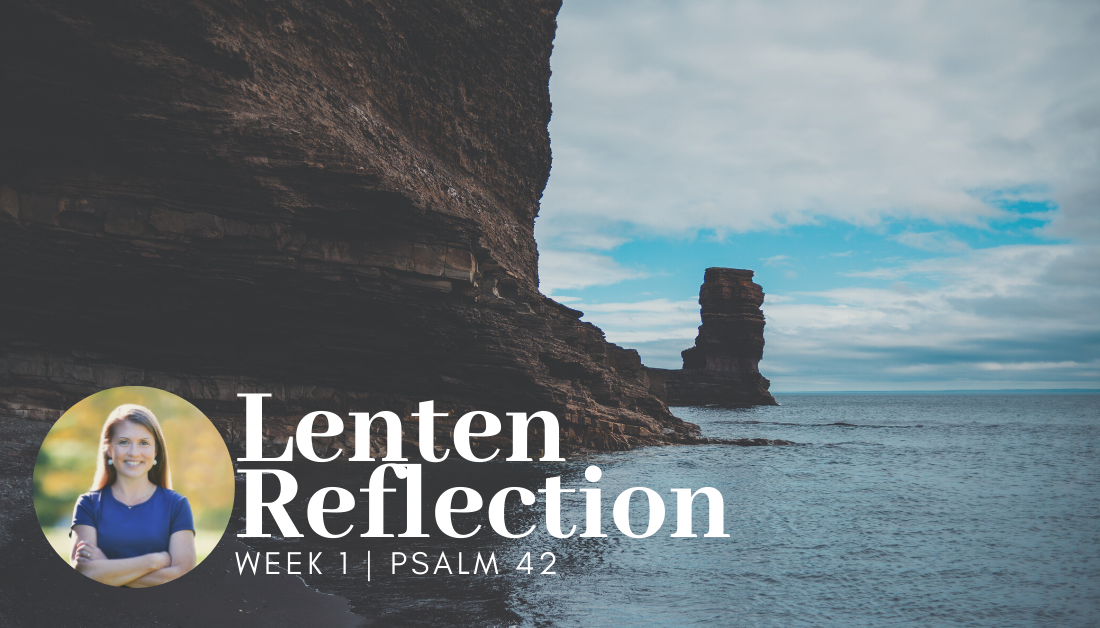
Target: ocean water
895, 510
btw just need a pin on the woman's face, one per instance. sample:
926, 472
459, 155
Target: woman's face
133, 450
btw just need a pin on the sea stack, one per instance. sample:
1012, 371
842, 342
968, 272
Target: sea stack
723, 366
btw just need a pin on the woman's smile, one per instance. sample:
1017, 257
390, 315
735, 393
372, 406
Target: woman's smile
132, 449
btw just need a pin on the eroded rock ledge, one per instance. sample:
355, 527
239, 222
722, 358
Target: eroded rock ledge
331, 203
723, 367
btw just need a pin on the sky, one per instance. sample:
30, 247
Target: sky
915, 184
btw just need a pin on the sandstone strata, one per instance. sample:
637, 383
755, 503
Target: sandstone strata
329, 202
723, 366
333, 203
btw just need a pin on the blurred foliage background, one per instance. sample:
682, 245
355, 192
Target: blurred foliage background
201, 468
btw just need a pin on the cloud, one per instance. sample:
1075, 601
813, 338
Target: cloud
875, 273
659, 328
683, 119
996, 317
679, 116
935, 241
993, 318
777, 298
568, 270
1032, 366
775, 260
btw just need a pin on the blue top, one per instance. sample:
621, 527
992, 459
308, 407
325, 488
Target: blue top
126, 531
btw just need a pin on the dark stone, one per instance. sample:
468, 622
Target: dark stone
722, 368
334, 203
79, 221
330, 202
38, 208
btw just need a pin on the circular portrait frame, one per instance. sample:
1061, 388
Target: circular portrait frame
133, 486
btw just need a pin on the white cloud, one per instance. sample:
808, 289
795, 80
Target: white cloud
876, 273
675, 117
935, 241
994, 318
1006, 309
645, 321
751, 115
1032, 366
570, 270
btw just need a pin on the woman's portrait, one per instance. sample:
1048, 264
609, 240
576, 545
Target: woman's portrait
145, 499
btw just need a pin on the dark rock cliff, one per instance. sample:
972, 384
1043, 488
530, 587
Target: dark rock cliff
331, 202
723, 366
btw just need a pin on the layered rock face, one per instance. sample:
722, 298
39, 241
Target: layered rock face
333, 203
723, 366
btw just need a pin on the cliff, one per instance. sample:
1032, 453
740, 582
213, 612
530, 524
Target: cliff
723, 366
333, 203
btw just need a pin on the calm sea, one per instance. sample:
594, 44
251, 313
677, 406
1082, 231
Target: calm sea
897, 510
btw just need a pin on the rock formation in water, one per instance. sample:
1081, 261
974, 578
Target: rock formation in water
723, 366
333, 203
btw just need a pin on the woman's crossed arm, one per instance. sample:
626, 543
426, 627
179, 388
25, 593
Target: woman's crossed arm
181, 546
89, 560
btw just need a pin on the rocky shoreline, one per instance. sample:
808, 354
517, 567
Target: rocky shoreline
330, 203
342, 216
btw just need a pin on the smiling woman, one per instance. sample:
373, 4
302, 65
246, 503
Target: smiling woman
132, 529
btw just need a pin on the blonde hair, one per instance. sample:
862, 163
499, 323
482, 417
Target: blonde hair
105, 474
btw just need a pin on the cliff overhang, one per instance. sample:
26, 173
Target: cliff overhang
331, 203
